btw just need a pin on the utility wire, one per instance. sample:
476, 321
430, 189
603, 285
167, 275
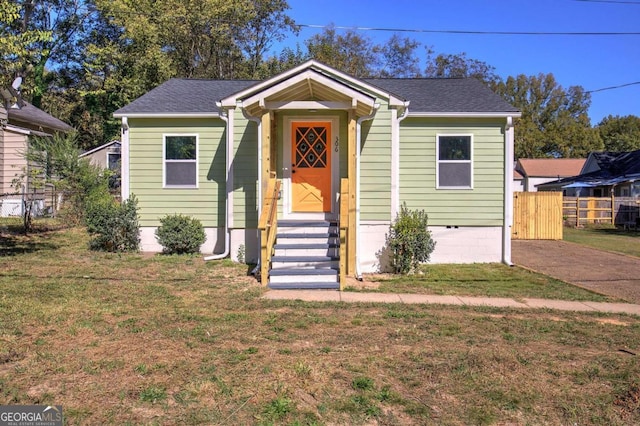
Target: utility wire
635, 3
535, 33
613, 87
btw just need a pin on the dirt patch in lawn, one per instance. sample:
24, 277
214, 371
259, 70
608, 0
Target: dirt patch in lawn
603, 272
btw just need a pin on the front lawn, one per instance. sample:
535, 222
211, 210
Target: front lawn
605, 238
481, 279
144, 339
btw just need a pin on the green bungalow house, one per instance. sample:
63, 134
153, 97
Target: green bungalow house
304, 172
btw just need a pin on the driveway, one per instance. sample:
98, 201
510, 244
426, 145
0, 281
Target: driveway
603, 272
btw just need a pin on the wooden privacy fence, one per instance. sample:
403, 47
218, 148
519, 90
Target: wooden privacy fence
537, 216
580, 211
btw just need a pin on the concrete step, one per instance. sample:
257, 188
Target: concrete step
299, 262
296, 250
303, 275
305, 286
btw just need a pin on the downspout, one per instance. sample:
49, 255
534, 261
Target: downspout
124, 160
395, 161
358, 148
229, 148
508, 192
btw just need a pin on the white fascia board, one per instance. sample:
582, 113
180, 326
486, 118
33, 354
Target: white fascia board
16, 129
466, 114
320, 68
106, 145
169, 115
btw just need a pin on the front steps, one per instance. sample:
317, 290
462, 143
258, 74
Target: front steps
306, 256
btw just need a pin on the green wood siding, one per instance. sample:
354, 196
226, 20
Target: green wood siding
245, 172
375, 167
480, 206
207, 202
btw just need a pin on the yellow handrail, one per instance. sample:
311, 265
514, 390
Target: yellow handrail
268, 226
344, 229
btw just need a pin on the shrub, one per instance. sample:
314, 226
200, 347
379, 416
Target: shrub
114, 227
409, 240
180, 234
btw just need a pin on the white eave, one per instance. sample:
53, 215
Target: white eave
465, 114
168, 115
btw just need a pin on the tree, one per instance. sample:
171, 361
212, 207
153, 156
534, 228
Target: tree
398, 58
459, 66
554, 121
349, 52
620, 134
17, 42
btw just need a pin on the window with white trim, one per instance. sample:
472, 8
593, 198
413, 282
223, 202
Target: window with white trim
180, 161
454, 167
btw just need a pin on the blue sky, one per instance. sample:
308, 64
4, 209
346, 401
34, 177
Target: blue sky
593, 62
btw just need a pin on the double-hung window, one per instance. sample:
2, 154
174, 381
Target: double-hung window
454, 166
180, 161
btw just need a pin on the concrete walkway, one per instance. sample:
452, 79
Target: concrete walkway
499, 302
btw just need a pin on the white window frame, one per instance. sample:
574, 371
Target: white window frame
165, 161
469, 161
109, 154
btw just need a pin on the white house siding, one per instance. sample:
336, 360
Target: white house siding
205, 203
12, 161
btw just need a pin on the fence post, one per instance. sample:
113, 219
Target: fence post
578, 212
613, 208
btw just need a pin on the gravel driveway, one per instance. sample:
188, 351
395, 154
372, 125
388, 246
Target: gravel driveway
604, 272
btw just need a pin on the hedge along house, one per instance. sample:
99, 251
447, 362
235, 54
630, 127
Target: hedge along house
304, 172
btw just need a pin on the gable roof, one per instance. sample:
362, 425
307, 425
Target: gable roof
550, 167
98, 148
31, 116
427, 96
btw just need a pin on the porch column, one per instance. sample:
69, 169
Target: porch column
266, 165
352, 144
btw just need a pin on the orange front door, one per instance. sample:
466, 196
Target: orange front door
311, 167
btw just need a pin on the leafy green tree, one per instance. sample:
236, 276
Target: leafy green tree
554, 121
620, 134
348, 52
399, 58
19, 43
459, 66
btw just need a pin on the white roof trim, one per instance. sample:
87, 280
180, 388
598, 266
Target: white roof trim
320, 68
466, 114
16, 129
106, 145
168, 115
310, 75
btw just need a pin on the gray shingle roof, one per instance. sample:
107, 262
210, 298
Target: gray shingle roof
35, 117
183, 96
445, 95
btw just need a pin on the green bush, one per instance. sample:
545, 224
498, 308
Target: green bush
113, 226
409, 240
180, 234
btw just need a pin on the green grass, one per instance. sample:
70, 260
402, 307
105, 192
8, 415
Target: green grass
483, 279
605, 238
144, 339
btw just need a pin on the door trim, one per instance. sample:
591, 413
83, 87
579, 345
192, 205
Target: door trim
287, 203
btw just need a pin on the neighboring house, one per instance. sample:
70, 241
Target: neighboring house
536, 171
105, 156
603, 173
210, 149
19, 121
518, 181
